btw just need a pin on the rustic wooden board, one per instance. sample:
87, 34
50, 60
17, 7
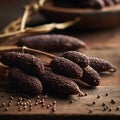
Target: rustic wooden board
81, 106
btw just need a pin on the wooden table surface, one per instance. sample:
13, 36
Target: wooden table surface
100, 43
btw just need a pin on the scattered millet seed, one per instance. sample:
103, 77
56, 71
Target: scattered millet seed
25, 104
18, 103
40, 101
117, 108
30, 108
86, 94
38, 97
106, 94
90, 111
10, 101
37, 100
9, 104
45, 97
21, 103
48, 106
104, 109
107, 106
11, 97
94, 103
98, 96
103, 104
43, 105
112, 101
20, 99
54, 102
29, 101
71, 101
30, 105
6, 109
54, 109
3, 104
36, 103
20, 108
25, 107
80, 95
24, 99
110, 109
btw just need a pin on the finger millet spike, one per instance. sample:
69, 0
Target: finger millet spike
79, 58
24, 82
25, 62
90, 76
59, 84
101, 65
51, 42
66, 67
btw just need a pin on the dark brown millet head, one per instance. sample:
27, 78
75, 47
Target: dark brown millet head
66, 67
79, 58
52, 42
90, 76
25, 62
59, 84
24, 82
101, 65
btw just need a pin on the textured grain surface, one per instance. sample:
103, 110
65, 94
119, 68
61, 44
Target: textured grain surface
66, 67
24, 82
26, 62
101, 65
51, 42
91, 76
81, 59
59, 84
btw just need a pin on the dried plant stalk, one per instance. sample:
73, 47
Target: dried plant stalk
42, 28
24, 49
17, 27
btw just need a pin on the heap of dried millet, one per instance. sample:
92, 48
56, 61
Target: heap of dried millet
30, 73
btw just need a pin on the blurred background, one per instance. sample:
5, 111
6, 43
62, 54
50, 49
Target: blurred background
10, 10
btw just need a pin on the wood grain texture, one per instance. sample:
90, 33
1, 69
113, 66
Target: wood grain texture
80, 107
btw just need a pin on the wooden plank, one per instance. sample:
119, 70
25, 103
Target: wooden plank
81, 106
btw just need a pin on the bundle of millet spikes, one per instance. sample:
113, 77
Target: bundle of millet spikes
64, 75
